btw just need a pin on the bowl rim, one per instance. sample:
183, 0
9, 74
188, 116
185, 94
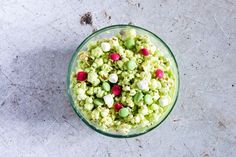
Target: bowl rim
68, 76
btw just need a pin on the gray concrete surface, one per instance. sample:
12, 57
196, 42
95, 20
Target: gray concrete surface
37, 39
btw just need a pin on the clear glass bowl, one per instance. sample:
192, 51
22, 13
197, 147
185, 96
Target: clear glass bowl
109, 32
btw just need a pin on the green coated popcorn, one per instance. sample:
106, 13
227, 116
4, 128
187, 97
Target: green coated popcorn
97, 52
88, 106
122, 83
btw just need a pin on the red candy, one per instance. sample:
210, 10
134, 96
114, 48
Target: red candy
118, 106
114, 56
81, 76
116, 90
144, 51
159, 73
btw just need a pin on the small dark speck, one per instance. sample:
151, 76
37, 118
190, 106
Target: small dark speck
229, 44
206, 155
109, 17
214, 149
142, 8
3, 103
160, 5
63, 117
184, 74
188, 38
138, 4
140, 154
130, 23
221, 125
94, 29
17, 57
44, 120
232, 85
34, 113
176, 120
171, 31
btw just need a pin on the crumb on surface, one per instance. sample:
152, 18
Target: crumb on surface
86, 19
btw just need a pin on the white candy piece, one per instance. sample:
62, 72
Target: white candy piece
109, 101
143, 85
105, 46
113, 78
164, 101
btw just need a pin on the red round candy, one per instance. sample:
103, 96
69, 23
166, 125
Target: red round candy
116, 90
81, 76
114, 56
159, 73
118, 106
144, 51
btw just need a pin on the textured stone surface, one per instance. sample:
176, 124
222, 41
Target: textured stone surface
37, 39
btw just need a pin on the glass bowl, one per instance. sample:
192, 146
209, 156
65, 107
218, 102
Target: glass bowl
109, 32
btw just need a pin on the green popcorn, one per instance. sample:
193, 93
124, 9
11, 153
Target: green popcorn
92, 45
129, 53
97, 52
105, 112
154, 107
114, 42
100, 94
155, 84
88, 106
81, 94
120, 63
99, 62
95, 115
143, 110
89, 100
106, 67
90, 91
93, 78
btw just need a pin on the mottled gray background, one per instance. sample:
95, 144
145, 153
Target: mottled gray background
37, 39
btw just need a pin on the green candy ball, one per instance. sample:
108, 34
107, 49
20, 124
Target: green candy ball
148, 99
131, 65
129, 43
138, 97
124, 112
106, 86
98, 102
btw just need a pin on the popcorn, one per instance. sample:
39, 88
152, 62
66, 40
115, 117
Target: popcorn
105, 46
143, 85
